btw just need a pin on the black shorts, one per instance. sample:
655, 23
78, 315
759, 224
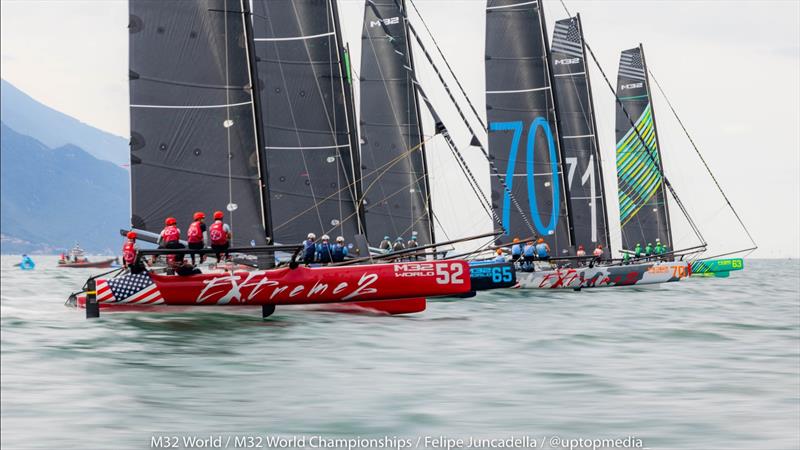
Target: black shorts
196, 245
529, 259
220, 248
515, 258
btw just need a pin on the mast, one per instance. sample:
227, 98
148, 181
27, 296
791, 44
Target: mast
598, 160
347, 89
255, 87
658, 146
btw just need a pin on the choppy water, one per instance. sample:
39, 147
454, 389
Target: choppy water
705, 363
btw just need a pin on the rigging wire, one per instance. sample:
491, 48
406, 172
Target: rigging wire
705, 164
228, 123
447, 64
635, 129
460, 111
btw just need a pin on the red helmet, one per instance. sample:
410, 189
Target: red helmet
131, 235
199, 215
170, 221
580, 247
218, 215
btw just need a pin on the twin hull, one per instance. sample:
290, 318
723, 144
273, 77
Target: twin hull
285, 286
605, 276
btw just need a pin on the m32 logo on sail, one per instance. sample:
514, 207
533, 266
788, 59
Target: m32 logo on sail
631, 86
567, 61
389, 21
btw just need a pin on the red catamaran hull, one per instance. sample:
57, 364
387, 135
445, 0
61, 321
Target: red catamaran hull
392, 288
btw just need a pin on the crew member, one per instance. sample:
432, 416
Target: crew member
626, 257
339, 250
386, 244
659, 249
398, 244
325, 250
542, 250
195, 235
649, 249
528, 255
500, 257
309, 248
637, 251
170, 237
598, 251
581, 251
413, 244
219, 233
129, 250
516, 250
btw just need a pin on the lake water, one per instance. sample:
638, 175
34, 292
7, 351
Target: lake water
703, 363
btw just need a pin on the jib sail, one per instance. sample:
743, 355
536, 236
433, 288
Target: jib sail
395, 185
644, 214
193, 141
307, 119
523, 131
579, 135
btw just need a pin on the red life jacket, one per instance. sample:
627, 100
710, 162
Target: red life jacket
195, 233
171, 233
129, 252
217, 233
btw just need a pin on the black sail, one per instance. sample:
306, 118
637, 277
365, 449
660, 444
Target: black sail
579, 135
523, 131
644, 213
396, 194
193, 142
307, 117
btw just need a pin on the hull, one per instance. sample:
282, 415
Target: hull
403, 306
604, 276
392, 288
88, 265
719, 268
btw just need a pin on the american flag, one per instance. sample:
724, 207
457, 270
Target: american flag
631, 64
135, 288
567, 38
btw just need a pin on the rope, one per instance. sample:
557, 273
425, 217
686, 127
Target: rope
228, 123
708, 169
649, 152
447, 64
460, 111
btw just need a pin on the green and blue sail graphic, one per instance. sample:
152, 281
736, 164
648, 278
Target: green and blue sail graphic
638, 171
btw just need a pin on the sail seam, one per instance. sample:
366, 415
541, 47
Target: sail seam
293, 38
228, 105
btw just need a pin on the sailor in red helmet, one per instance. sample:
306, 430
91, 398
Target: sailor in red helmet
196, 234
219, 233
129, 250
170, 237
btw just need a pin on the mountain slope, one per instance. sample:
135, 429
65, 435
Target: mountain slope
56, 197
25, 115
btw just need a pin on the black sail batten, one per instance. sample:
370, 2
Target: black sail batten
580, 142
193, 140
524, 138
306, 112
644, 213
397, 196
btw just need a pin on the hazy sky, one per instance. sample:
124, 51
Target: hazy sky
731, 68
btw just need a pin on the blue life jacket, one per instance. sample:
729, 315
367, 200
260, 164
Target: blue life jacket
516, 250
309, 248
500, 258
324, 253
339, 252
529, 250
541, 250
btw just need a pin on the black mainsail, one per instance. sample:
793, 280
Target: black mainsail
395, 184
524, 139
193, 141
579, 135
310, 143
643, 210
